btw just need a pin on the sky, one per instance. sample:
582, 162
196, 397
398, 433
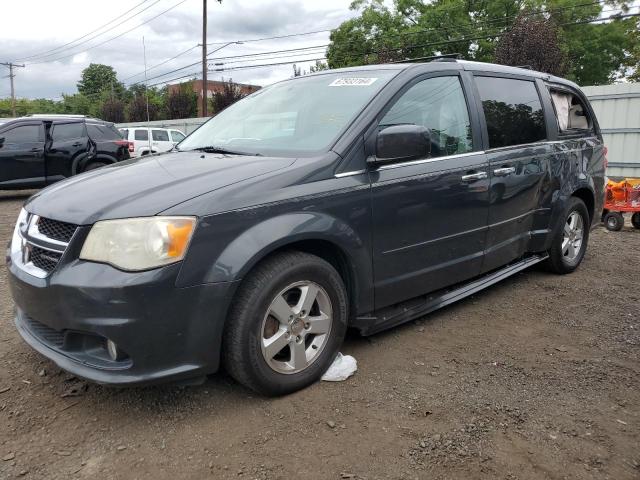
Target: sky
40, 29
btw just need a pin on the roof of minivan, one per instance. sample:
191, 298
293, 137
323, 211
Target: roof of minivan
454, 64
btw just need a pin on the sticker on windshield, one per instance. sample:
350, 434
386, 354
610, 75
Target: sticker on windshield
352, 82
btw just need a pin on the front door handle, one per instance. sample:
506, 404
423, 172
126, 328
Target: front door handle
503, 172
472, 177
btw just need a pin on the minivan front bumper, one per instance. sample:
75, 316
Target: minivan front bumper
166, 333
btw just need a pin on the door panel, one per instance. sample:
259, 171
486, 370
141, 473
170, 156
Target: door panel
22, 156
429, 226
68, 141
430, 215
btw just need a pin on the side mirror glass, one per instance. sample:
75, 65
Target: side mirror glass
400, 143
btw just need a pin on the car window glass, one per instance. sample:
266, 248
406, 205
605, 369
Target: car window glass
103, 132
124, 132
439, 105
23, 134
176, 136
512, 110
67, 131
141, 135
160, 135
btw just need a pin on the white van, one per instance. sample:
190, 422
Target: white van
151, 140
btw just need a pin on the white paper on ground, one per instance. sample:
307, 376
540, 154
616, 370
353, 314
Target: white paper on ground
342, 368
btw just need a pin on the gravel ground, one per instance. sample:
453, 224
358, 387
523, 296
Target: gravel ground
536, 377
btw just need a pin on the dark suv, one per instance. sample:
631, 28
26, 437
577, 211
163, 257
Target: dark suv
42, 149
362, 197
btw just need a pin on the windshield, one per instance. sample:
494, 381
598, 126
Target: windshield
294, 117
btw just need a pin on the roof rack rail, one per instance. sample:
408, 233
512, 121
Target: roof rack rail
446, 57
527, 67
55, 115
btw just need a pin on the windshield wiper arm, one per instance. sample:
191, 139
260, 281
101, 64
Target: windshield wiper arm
215, 149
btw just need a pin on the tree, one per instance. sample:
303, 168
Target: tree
597, 53
137, 109
228, 95
532, 41
113, 110
98, 78
182, 103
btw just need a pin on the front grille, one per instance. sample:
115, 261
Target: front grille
60, 231
44, 259
46, 334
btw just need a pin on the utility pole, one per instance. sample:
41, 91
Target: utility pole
204, 59
11, 75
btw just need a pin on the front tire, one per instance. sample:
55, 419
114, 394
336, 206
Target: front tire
635, 220
613, 221
570, 242
286, 324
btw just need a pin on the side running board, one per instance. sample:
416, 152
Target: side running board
417, 307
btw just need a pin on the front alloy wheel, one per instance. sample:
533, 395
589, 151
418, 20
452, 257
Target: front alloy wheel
286, 323
296, 327
572, 236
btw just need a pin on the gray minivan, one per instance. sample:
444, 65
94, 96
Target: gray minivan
362, 197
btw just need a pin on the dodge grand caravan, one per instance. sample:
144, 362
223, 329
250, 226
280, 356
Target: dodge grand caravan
361, 197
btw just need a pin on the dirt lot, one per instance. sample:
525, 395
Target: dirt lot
536, 377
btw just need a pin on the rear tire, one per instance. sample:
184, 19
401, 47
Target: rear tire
93, 166
570, 242
286, 324
614, 221
635, 220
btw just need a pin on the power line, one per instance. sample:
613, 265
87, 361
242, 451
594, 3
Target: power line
278, 36
11, 66
162, 63
112, 38
61, 47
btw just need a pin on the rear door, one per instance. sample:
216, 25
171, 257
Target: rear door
22, 155
430, 215
160, 140
67, 143
519, 154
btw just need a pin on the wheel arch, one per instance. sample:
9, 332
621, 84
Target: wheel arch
587, 196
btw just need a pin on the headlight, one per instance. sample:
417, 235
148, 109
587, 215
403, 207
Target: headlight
139, 243
16, 240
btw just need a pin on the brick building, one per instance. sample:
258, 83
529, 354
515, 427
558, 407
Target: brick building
212, 86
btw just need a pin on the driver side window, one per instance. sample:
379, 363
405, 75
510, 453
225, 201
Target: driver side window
438, 104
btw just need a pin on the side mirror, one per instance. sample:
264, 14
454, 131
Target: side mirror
400, 143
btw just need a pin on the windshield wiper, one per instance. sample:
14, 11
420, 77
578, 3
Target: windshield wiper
215, 149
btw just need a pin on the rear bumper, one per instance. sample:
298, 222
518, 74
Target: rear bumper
167, 333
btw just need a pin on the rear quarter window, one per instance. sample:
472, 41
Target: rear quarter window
100, 132
512, 110
141, 135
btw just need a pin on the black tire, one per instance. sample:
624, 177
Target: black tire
93, 166
635, 220
242, 352
613, 221
558, 262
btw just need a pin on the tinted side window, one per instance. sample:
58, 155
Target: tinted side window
67, 131
439, 105
23, 134
160, 135
103, 132
512, 110
142, 135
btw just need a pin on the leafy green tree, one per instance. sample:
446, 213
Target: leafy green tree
596, 53
137, 110
98, 78
113, 110
182, 103
228, 95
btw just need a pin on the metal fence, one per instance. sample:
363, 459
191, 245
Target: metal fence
618, 110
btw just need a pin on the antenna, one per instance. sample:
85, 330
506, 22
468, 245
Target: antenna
146, 93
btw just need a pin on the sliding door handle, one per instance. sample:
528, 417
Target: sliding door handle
472, 177
503, 172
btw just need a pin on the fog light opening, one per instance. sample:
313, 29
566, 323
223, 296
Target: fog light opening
114, 352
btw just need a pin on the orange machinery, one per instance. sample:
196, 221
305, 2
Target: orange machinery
621, 197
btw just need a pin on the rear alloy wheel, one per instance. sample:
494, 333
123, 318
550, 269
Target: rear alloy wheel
570, 243
635, 220
286, 323
613, 221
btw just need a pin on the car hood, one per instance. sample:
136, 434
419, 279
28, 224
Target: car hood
146, 186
